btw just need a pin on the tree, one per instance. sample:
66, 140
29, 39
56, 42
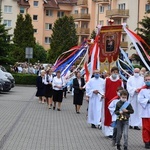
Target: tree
18, 31
23, 37
63, 37
144, 31
93, 34
4, 41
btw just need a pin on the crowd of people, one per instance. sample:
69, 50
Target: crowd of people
112, 106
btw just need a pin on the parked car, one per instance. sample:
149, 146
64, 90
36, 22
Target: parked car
8, 75
6, 84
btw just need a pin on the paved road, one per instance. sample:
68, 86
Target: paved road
27, 125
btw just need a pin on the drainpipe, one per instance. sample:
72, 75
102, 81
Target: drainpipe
138, 14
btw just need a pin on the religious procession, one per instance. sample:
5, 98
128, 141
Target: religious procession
118, 96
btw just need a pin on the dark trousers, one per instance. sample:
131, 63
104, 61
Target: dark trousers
122, 127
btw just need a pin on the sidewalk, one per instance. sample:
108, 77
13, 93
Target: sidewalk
28, 125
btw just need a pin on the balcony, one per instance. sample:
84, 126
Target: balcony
81, 16
82, 2
124, 44
102, 1
83, 31
115, 13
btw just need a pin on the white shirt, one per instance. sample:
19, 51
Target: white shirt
48, 79
143, 98
58, 82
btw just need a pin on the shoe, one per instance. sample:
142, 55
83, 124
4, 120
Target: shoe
42, 102
78, 112
125, 148
147, 145
58, 109
53, 108
93, 126
137, 128
49, 107
118, 147
130, 127
110, 136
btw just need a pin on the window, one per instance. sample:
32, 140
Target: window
84, 11
35, 3
49, 13
35, 30
35, 17
147, 7
47, 40
101, 9
22, 10
8, 23
7, 9
48, 26
109, 7
60, 14
122, 6
76, 11
101, 22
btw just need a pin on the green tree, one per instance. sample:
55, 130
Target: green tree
23, 37
93, 34
4, 42
18, 31
63, 38
144, 31
39, 54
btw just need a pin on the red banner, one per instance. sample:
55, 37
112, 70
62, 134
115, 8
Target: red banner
109, 39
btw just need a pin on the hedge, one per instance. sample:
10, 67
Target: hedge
27, 79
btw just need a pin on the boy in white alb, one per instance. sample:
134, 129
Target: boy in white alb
144, 100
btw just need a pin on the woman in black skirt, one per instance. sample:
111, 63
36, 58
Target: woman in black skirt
48, 87
58, 85
78, 85
40, 87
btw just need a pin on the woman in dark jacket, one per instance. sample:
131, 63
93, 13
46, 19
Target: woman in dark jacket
78, 85
40, 87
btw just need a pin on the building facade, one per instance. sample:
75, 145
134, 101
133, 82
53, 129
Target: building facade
87, 15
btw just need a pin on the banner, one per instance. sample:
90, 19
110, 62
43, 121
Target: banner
109, 42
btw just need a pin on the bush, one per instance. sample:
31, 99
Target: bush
27, 79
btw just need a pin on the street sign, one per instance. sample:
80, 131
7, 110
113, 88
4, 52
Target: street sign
29, 52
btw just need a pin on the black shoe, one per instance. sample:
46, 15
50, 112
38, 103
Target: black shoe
93, 126
147, 145
125, 148
53, 108
110, 136
137, 128
118, 147
78, 112
130, 127
58, 109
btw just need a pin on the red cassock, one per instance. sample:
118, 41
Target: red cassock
110, 92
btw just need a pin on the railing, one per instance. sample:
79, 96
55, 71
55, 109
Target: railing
117, 12
82, 2
81, 16
102, 1
83, 30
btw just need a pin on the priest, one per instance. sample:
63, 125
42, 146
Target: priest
111, 85
95, 92
144, 100
134, 83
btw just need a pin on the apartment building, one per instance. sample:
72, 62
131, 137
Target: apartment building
87, 15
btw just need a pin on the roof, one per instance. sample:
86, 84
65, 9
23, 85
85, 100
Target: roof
24, 3
50, 4
67, 1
